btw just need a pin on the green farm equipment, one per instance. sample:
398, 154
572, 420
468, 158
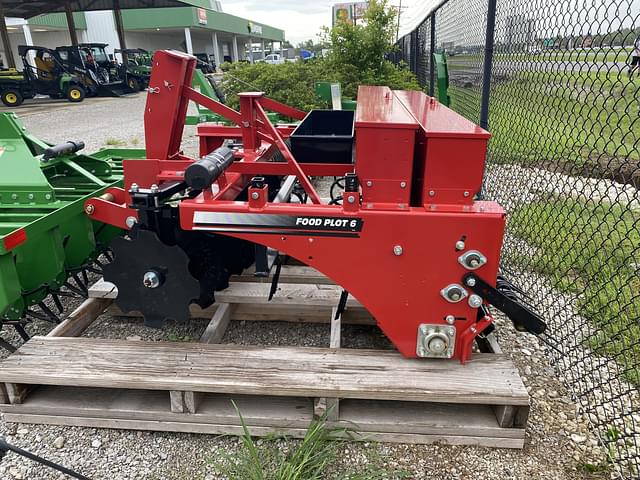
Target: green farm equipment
442, 76
135, 68
44, 74
332, 94
47, 242
207, 86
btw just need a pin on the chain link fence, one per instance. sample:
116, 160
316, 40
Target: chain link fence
562, 100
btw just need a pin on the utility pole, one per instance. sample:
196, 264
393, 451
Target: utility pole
398, 28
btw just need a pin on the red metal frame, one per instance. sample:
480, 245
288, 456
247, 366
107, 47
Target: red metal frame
394, 251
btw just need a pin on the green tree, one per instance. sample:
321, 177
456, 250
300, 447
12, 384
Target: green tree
357, 57
358, 52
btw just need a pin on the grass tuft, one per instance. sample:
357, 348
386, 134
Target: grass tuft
114, 142
315, 457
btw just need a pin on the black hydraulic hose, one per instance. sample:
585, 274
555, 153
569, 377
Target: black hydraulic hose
62, 149
6, 447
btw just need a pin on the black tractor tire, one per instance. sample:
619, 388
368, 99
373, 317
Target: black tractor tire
134, 84
76, 93
11, 97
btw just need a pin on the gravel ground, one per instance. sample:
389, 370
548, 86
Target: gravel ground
558, 444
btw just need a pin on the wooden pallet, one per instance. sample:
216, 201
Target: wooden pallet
62, 379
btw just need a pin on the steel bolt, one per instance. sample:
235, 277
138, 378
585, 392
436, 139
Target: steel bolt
255, 195
151, 279
466, 194
154, 188
472, 259
453, 293
471, 282
432, 193
134, 188
369, 183
14, 196
403, 184
451, 331
47, 196
459, 245
131, 221
89, 209
475, 301
30, 196
450, 319
397, 250
351, 199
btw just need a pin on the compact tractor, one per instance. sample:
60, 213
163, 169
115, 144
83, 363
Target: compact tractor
404, 231
99, 73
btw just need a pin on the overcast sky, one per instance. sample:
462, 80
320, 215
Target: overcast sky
300, 19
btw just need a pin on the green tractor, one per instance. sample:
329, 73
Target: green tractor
135, 68
44, 73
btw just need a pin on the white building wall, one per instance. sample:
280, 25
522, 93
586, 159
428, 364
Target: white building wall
101, 28
49, 39
156, 40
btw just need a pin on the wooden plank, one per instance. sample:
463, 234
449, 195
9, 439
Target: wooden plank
505, 415
492, 340
168, 426
17, 392
81, 318
176, 398
288, 274
333, 403
272, 312
218, 325
212, 334
4, 397
192, 401
403, 421
336, 328
257, 293
289, 371
152, 405
429, 418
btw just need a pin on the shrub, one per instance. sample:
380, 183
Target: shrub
357, 57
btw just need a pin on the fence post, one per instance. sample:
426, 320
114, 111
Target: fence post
432, 48
488, 61
414, 51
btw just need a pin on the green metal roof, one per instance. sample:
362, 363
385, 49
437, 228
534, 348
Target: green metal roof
144, 19
144, 14
58, 20
31, 8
